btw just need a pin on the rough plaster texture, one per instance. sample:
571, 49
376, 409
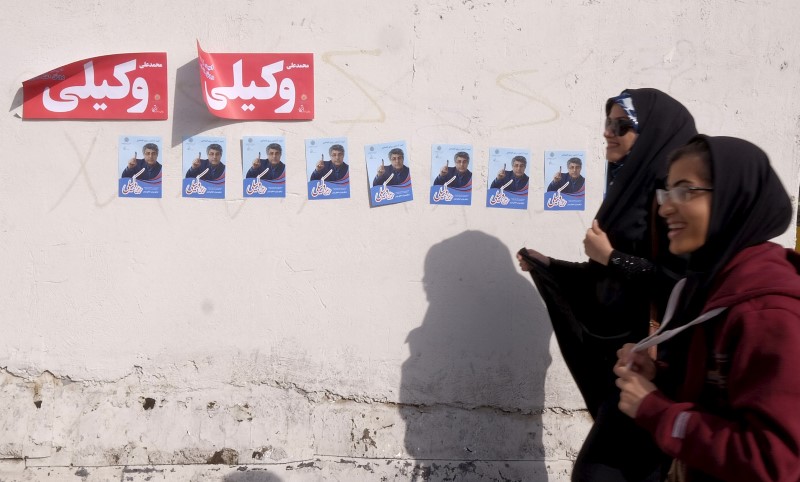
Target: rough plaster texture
290, 340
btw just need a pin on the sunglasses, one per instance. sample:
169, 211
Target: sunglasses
619, 126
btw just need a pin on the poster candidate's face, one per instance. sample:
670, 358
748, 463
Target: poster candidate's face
461, 165
574, 170
274, 156
214, 156
397, 161
519, 168
150, 157
337, 158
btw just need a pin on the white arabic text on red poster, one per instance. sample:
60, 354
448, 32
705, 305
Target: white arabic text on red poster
129, 86
258, 86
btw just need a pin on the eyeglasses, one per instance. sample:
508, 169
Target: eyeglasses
678, 195
619, 125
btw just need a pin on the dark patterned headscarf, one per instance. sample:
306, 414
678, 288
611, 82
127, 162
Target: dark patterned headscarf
625, 101
664, 124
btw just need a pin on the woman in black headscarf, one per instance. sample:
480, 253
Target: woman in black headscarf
728, 375
596, 307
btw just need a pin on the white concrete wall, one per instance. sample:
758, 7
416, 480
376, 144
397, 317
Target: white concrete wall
328, 340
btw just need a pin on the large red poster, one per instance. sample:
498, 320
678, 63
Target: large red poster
120, 86
258, 86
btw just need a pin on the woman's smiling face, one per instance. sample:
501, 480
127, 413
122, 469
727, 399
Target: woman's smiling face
687, 221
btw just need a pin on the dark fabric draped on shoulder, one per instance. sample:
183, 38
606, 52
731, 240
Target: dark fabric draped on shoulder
664, 125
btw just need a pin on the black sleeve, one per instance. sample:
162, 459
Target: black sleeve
565, 270
630, 267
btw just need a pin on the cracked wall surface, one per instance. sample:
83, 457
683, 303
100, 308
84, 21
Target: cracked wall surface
138, 422
287, 339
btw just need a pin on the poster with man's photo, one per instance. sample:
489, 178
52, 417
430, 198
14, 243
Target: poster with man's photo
327, 169
389, 173
451, 177
204, 167
139, 164
566, 186
507, 182
263, 166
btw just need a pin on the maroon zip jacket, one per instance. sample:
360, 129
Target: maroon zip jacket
738, 417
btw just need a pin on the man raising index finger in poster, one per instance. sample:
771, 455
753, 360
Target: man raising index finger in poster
463, 175
401, 172
336, 164
574, 178
274, 163
216, 169
517, 176
150, 164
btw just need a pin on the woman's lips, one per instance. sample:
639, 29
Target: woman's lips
675, 229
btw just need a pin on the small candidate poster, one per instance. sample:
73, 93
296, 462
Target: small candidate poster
508, 189
263, 167
139, 166
566, 189
204, 164
387, 168
327, 170
451, 177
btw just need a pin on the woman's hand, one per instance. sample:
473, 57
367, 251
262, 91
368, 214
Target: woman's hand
597, 245
635, 369
524, 266
633, 388
637, 361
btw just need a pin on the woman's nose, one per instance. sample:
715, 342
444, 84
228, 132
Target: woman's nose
666, 209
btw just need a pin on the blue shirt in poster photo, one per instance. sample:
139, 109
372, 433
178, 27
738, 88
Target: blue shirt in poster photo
140, 175
327, 179
508, 189
566, 186
204, 161
266, 171
451, 182
391, 183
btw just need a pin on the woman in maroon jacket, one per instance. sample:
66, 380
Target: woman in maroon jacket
722, 399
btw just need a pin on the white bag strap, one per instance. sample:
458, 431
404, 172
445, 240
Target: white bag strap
661, 334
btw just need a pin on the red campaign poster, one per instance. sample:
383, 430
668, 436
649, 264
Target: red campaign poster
121, 86
258, 86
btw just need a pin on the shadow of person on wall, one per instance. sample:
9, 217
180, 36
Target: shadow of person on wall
472, 389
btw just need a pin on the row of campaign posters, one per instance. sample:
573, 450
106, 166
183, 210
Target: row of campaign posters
274, 86
327, 173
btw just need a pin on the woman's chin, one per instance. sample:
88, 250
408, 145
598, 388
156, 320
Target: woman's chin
613, 156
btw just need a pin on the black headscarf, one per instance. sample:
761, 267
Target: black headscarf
664, 124
749, 206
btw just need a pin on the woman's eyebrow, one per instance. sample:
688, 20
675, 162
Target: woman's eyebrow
679, 182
